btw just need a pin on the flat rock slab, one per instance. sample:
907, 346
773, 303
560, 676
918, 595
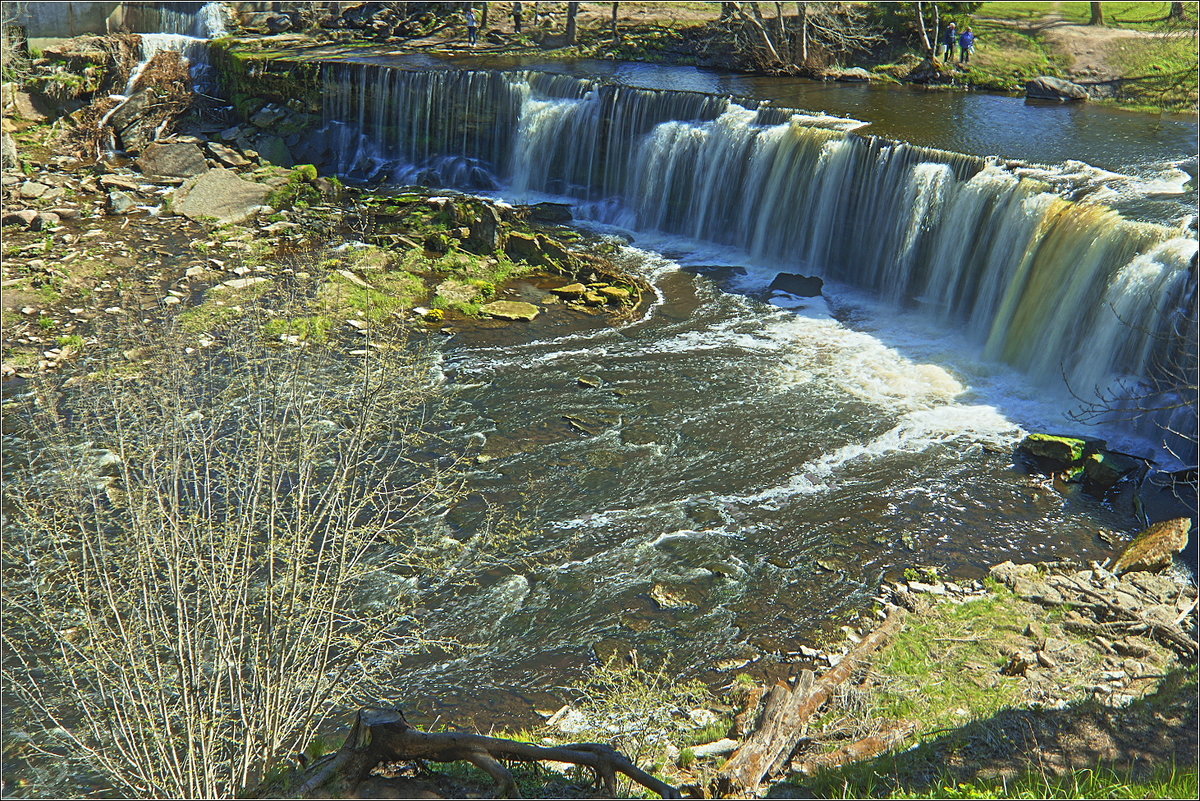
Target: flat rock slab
176, 159
510, 310
221, 195
1154, 548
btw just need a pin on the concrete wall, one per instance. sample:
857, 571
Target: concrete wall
49, 22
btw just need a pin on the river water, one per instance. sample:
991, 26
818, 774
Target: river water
753, 464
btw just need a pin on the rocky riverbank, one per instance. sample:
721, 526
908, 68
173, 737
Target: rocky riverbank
209, 217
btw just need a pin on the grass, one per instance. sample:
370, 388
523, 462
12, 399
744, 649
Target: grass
313, 329
1165, 781
388, 293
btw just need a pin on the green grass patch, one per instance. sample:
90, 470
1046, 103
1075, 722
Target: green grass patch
310, 329
933, 683
388, 293
1166, 781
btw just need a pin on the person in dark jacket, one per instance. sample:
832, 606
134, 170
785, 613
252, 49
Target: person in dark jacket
966, 45
950, 39
472, 26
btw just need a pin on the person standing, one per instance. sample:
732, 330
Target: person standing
950, 39
966, 45
472, 26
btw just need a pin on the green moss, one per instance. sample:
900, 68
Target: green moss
310, 329
388, 293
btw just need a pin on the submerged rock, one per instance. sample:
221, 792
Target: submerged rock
510, 310
1103, 469
1154, 548
1054, 452
575, 290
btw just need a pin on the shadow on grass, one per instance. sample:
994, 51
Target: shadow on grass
1145, 749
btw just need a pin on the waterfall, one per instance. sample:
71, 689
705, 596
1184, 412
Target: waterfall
1056, 289
184, 28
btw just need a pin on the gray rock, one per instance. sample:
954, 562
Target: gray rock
278, 23
120, 203
45, 220
457, 291
9, 157
267, 116
1007, 573
219, 194
550, 212
131, 122
23, 218
1046, 87
272, 149
180, 160
1154, 548
31, 190
31, 107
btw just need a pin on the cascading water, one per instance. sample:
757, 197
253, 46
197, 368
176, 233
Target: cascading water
1054, 288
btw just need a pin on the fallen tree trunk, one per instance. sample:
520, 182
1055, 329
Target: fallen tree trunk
866, 748
786, 712
383, 736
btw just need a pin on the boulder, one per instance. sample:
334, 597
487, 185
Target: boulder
23, 218
1154, 548
32, 189
9, 158
800, 285
227, 155
553, 251
550, 212
267, 116
1047, 88
851, 75
176, 159
484, 229
523, 247
510, 310
1052, 452
1103, 469
133, 122
31, 107
273, 150
219, 194
45, 221
119, 203
278, 23
928, 71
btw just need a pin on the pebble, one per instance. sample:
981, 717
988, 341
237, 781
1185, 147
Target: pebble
170, 300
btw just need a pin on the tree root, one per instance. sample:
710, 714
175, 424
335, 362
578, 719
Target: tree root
383, 735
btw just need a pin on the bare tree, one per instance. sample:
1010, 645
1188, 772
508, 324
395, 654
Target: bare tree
616, 33
190, 546
572, 25
816, 32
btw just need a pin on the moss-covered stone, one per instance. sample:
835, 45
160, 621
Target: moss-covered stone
1056, 452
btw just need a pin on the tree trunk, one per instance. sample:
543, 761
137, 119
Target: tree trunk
1177, 11
802, 8
756, 22
572, 13
616, 33
785, 716
483, 16
920, 7
1097, 14
383, 735
727, 12
516, 17
937, 27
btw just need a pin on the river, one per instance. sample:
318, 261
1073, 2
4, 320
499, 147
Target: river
754, 464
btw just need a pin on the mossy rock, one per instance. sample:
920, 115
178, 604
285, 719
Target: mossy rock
1055, 453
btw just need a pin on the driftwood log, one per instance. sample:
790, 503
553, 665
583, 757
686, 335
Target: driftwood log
867, 748
384, 736
786, 712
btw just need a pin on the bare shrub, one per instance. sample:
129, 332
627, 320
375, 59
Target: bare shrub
189, 541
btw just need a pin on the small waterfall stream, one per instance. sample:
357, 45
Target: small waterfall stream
1059, 290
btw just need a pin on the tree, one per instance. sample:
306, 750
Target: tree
817, 32
616, 33
191, 545
572, 14
1178, 12
1097, 17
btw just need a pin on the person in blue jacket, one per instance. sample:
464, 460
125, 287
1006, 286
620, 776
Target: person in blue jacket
950, 39
966, 45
